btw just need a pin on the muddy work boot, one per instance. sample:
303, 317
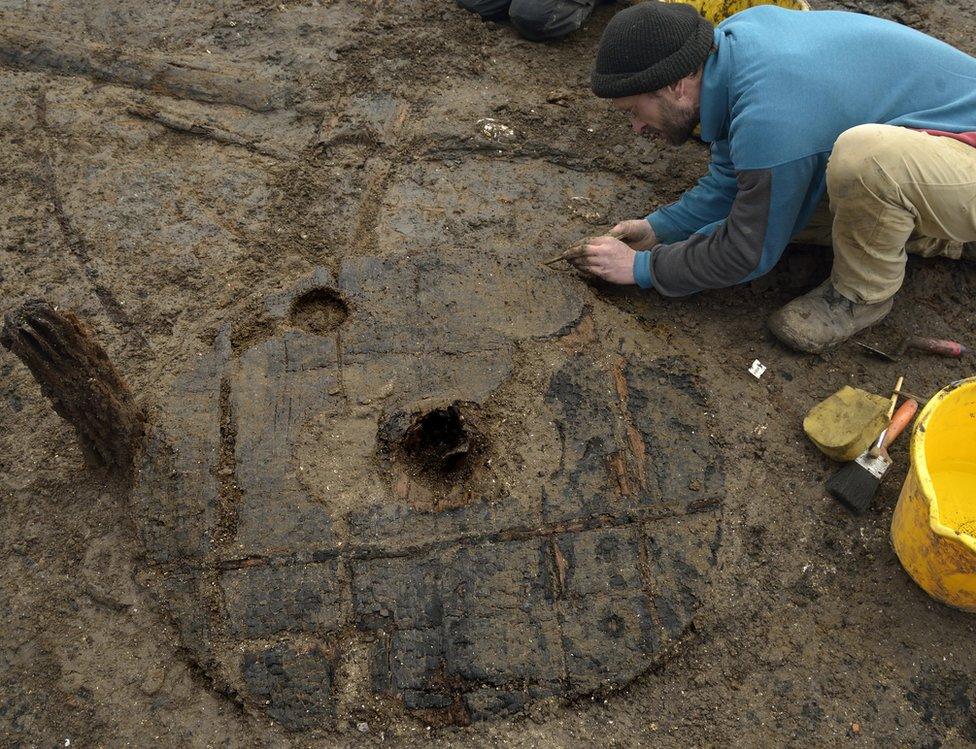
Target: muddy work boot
823, 318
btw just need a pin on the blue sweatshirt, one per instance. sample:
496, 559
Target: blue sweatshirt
776, 93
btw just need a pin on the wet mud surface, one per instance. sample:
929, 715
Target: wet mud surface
403, 483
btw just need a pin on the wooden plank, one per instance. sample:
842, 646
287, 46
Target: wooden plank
208, 80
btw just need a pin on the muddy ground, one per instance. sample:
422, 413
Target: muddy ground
353, 130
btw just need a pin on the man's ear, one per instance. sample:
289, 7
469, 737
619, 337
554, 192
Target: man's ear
683, 88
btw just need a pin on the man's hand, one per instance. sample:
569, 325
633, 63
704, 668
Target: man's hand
637, 233
606, 258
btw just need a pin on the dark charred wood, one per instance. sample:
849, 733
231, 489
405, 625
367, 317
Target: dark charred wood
81, 382
179, 78
181, 123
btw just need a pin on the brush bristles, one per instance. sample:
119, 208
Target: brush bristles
854, 487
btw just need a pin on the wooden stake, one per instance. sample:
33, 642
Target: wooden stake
84, 387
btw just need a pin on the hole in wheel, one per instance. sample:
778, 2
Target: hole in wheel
318, 311
436, 453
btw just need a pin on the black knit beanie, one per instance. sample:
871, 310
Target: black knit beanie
649, 46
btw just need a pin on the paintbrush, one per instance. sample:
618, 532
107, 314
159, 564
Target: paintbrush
854, 484
575, 250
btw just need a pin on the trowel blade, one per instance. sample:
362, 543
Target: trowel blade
876, 352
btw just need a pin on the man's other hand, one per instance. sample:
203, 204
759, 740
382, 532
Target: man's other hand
637, 233
606, 258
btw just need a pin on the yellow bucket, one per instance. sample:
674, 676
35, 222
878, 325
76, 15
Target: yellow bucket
934, 526
717, 11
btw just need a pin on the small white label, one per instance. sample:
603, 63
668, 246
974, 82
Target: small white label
757, 369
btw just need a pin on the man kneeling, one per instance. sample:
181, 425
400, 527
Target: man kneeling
537, 20
823, 126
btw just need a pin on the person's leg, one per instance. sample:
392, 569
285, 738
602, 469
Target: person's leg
886, 185
895, 190
819, 228
932, 247
489, 10
819, 231
549, 19
889, 187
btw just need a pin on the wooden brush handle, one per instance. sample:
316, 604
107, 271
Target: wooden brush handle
894, 397
937, 346
902, 418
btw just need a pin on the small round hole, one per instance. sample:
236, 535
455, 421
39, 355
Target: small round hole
319, 311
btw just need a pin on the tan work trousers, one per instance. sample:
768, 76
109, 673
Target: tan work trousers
892, 190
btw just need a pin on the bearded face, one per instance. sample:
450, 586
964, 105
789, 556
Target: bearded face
665, 114
677, 121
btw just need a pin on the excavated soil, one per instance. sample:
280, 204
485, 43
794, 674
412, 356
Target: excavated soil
404, 484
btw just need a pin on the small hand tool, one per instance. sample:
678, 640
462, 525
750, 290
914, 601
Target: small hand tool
854, 484
930, 345
575, 250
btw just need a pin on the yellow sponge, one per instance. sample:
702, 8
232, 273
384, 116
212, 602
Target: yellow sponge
845, 425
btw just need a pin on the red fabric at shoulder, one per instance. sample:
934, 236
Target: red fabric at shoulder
968, 138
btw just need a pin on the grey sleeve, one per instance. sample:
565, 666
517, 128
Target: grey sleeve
724, 253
